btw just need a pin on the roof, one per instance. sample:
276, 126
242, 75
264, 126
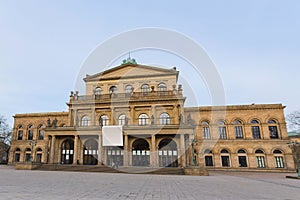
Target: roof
152, 71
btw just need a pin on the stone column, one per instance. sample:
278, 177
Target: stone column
153, 111
75, 157
126, 151
182, 151
132, 115
93, 122
112, 116
176, 114
100, 157
75, 118
52, 151
190, 151
153, 153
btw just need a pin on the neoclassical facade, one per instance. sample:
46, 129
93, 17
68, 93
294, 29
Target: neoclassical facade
157, 129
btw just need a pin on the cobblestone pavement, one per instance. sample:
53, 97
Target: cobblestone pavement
16, 184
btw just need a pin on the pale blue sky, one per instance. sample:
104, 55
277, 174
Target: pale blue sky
254, 44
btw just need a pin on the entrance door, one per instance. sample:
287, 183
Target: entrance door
67, 151
115, 156
167, 153
140, 153
90, 152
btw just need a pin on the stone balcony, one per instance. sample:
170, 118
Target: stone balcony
134, 96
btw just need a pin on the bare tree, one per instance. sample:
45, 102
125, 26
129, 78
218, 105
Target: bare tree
294, 120
5, 131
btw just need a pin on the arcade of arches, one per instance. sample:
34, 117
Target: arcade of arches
152, 151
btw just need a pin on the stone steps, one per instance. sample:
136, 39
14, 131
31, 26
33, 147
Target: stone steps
106, 169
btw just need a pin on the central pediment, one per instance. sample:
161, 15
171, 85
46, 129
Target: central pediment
131, 70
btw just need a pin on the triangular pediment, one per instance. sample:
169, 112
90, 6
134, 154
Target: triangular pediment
131, 70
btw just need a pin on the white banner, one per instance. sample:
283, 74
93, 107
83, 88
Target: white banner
112, 136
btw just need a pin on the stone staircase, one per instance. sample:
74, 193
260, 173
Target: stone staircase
107, 169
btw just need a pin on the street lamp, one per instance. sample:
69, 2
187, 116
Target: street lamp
294, 146
32, 143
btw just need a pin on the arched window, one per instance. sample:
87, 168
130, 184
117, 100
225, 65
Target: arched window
162, 87
113, 90
123, 119
241, 151
242, 157
205, 130
238, 129
20, 132
260, 158
85, 121
259, 151
278, 157
143, 119
164, 118
255, 129
224, 151
222, 130
277, 151
104, 120
128, 89
98, 91
41, 132
273, 129
225, 160
30, 132
145, 88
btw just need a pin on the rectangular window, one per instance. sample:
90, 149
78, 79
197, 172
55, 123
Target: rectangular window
209, 161
205, 133
242, 161
222, 132
225, 161
273, 132
20, 134
17, 157
238, 132
122, 121
143, 121
41, 134
39, 158
255, 132
27, 157
30, 134
105, 122
260, 161
279, 162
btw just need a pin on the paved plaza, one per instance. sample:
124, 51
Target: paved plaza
17, 184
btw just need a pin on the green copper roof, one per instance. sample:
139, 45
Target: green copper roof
129, 61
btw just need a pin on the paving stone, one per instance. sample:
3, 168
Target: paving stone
18, 184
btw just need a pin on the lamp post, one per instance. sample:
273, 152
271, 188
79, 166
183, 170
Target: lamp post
32, 143
294, 146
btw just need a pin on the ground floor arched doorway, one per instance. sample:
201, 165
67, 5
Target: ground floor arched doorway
140, 153
67, 152
167, 153
90, 152
115, 156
